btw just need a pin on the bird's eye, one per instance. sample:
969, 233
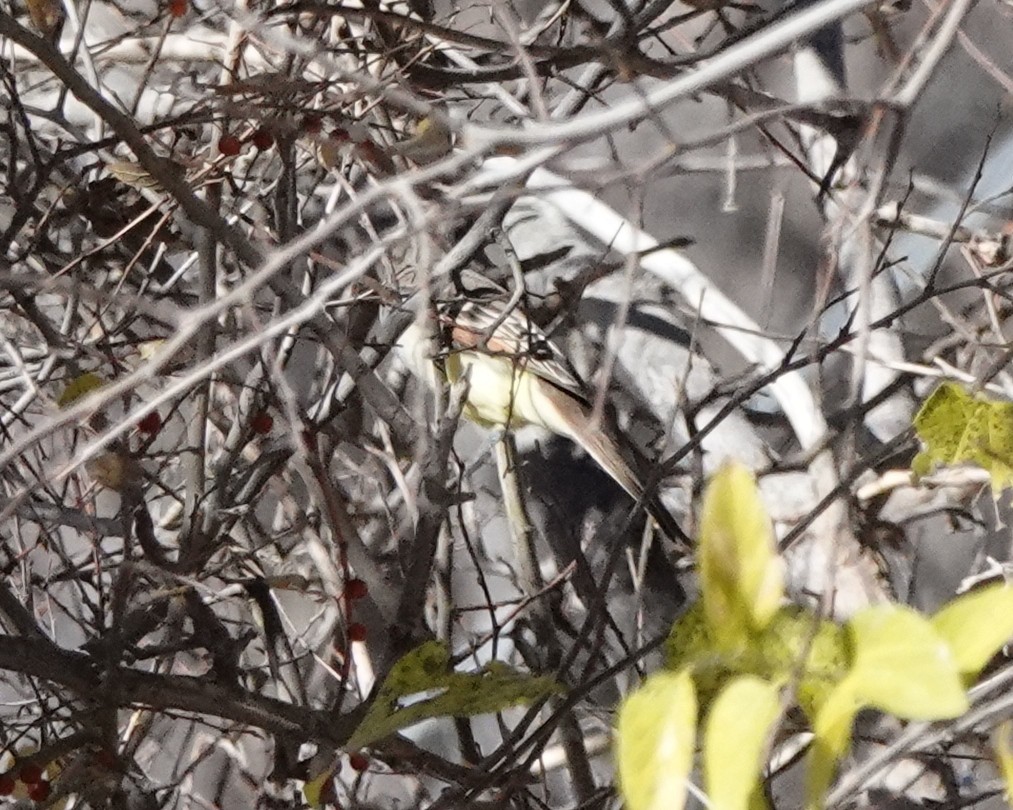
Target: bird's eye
541, 350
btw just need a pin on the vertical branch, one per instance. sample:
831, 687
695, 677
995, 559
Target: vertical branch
522, 533
197, 520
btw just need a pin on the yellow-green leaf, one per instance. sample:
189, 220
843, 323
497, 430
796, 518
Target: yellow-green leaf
79, 387
976, 625
795, 633
957, 427
425, 675
655, 740
318, 790
903, 666
736, 736
741, 578
831, 740
1002, 750
132, 174
688, 639
775, 655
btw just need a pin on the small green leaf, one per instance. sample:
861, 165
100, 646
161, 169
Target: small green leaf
655, 740
902, 666
741, 578
688, 639
736, 736
79, 387
426, 669
831, 740
957, 427
976, 625
690, 646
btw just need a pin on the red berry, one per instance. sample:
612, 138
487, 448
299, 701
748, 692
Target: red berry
356, 589
357, 631
30, 773
229, 145
150, 423
177, 8
6, 785
262, 423
312, 124
40, 791
340, 136
358, 761
263, 139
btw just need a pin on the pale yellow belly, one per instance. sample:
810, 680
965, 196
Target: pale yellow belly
501, 394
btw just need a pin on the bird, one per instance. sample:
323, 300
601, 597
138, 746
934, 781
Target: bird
517, 377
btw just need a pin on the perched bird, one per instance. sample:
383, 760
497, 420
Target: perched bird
517, 377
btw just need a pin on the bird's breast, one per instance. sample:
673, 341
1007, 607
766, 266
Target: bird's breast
501, 393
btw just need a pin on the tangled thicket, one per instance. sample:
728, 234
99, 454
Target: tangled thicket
228, 508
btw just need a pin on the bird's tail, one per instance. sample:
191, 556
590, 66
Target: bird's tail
606, 450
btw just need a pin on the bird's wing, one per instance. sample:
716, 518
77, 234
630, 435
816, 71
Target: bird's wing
488, 326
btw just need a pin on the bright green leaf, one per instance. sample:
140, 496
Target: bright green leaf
976, 625
425, 674
655, 740
741, 577
736, 735
902, 666
79, 387
957, 427
831, 740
